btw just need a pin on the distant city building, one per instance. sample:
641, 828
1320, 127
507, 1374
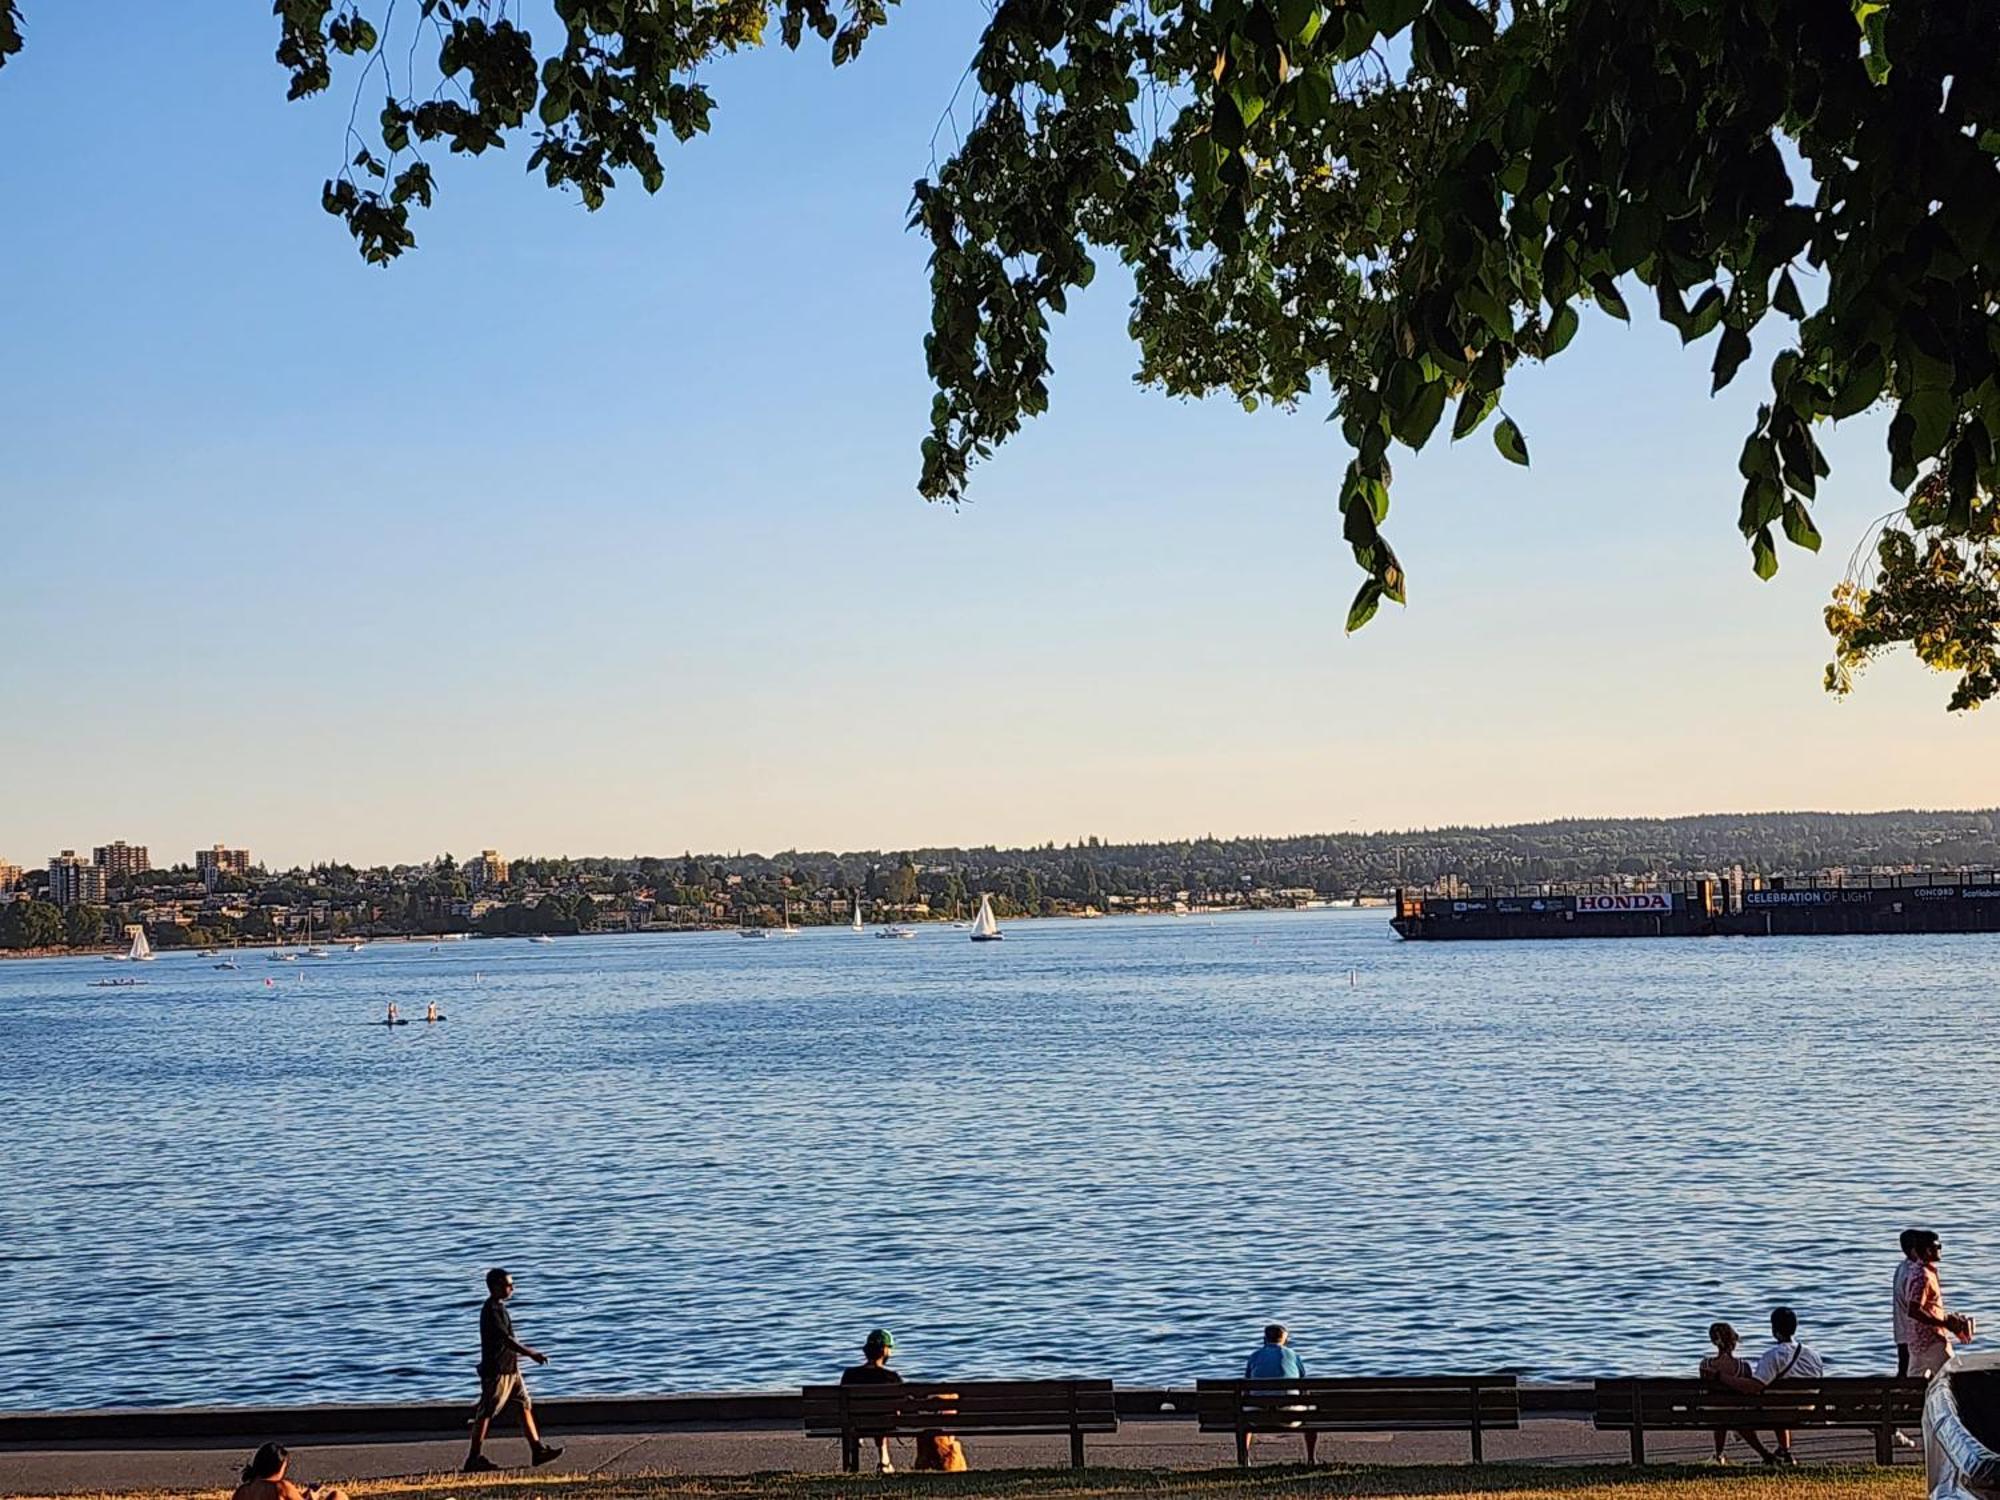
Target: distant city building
10, 876
489, 869
74, 880
120, 859
213, 864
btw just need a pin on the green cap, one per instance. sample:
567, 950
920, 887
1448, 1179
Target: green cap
878, 1338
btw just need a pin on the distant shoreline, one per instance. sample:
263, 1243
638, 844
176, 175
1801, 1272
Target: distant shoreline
117, 950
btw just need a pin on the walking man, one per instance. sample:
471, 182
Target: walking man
1929, 1329
500, 1383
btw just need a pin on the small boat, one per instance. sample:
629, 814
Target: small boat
897, 932
227, 963
116, 984
541, 937
141, 951
318, 953
786, 929
281, 956
356, 947
984, 928
206, 953
753, 932
855, 925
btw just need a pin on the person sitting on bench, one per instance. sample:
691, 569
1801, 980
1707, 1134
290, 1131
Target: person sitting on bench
874, 1370
1274, 1360
1726, 1361
1787, 1359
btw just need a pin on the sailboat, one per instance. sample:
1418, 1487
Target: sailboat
984, 928
311, 950
787, 929
141, 951
855, 925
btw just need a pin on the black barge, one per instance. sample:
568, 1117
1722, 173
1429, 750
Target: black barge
1712, 907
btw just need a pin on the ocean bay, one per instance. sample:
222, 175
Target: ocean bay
1111, 1148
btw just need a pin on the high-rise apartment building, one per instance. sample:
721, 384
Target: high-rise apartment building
489, 870
120, 859
213, 864
74, 880
10, 876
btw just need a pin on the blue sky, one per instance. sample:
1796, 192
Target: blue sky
598, 533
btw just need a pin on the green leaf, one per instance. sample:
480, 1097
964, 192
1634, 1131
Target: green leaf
1420, 417
1507, 438
1464, 23
1367, 600
1703, 316
1862, 387
1298, 20
1799, 529
1473, 408
1729, 357
1785, 297
1610, 298
1312, 97
1764, 553
1562, 328
1390, 16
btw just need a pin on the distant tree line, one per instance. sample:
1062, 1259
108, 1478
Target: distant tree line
1089, 871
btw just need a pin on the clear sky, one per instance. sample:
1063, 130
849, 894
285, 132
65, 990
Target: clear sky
598, 534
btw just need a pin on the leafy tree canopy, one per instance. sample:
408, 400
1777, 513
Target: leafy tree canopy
1394, 203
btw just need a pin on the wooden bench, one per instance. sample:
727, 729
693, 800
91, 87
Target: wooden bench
1476, 1404
963, 1408
1876, 1403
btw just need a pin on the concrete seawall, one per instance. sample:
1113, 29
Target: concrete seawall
204, 1425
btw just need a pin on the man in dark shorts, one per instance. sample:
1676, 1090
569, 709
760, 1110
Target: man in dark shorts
874, 1370
500, 1383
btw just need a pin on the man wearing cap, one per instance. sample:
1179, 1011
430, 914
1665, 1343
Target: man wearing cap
874, 1370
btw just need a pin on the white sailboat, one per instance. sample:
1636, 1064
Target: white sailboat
141, 951
787, 929
984, 928
855, 925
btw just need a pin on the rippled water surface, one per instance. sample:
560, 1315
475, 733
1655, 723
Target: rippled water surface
1111, 1148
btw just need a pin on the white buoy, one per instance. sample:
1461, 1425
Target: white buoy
1353, 979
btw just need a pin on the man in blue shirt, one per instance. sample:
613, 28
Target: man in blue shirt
1274, 1361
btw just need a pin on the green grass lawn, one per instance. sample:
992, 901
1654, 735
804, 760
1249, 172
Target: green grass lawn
1327, 1482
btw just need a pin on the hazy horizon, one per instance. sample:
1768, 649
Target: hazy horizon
600, 531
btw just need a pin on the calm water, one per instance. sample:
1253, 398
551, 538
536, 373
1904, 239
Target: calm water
1111, 1148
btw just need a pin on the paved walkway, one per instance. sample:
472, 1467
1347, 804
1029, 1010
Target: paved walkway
762, 1448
